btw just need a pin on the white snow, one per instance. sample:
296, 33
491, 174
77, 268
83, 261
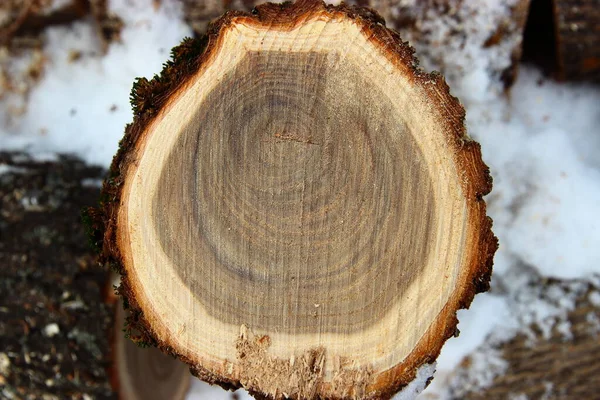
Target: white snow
542, 147
56, 5
202, 391
82, 107
4, 169
594, 324
4, 364
90, 182
412, 390
542, 144
51, 330
594, 298
451, 37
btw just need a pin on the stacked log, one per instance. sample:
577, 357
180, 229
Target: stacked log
60, 325
577, 30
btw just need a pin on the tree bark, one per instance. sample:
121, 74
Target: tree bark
577, 30
142, 374
561, 364
296, 209
60, 332
29, 18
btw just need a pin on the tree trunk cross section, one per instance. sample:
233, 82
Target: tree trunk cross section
296, 208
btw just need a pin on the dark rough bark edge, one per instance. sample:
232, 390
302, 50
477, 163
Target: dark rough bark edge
111, 298
150, 97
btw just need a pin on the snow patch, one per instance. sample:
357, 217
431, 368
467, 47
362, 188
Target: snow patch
5, 169
201, 391
594, 298
412, 390
542, 145
51, 330
82, 106
452, 37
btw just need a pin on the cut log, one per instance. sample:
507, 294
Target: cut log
59, 336
577, 30
143, 374
296, 209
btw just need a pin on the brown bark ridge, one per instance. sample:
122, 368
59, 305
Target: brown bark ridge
29, 18
560, 361
142, 373
577, 30
555, 367
296, 208
60, 332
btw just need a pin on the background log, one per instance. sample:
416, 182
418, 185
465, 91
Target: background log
142, 374
30, 17
557, 361
60, 334
577, 30
22, 20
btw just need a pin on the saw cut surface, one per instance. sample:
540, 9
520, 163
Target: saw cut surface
296, 208
300, 194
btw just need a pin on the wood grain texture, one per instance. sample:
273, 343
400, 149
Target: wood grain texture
546, 367
281, 203
144, 374
577, 30
296, 208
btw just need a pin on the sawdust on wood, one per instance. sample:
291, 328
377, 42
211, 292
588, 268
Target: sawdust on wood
298, 377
